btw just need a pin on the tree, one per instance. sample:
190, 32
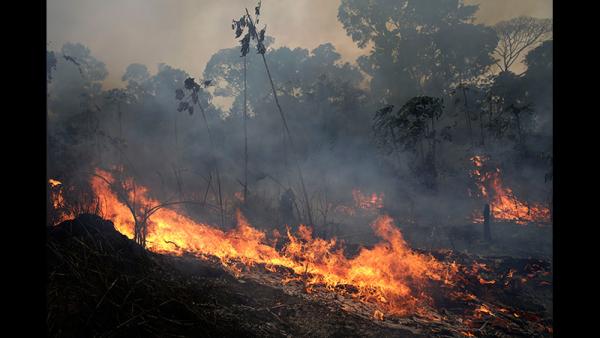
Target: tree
136, 75
136, 201
76, 80
538, 80
74, 95
487, 235
518, 35
539, 60
117, 97
417, 47
88, 66
259, 37
187, 104
50, 64
413, 127
324, 109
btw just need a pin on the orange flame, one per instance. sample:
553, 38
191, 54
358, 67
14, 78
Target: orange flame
372, 202
504, 204
58, 201
378, 315
389, 274
483, 309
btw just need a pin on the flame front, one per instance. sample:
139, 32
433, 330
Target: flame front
372, 202
54, 183
389, 274
504, 204
58, 202
389, 279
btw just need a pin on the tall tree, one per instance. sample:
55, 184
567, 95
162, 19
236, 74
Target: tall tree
417, 47
413, 128
538, 80
517, 36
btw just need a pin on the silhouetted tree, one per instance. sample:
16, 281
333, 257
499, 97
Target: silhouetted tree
417, 47
413, 128
518, 35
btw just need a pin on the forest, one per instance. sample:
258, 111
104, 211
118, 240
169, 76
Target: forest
425, 161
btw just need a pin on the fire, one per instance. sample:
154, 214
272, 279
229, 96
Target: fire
378, 315
58, 202
389, 278
504, 205
239, 196
56, 194
390, 274
485, 281
483, 309
372, 202
364, 204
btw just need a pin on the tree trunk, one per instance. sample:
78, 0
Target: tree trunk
487, 236
289, 135
433, 142
518, 118
481, 127
467, 115
245, 139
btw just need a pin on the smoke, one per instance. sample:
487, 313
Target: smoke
186, 33
329, 111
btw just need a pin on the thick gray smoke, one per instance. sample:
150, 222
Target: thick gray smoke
330, 107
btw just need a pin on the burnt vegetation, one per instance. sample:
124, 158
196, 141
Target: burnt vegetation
443, 124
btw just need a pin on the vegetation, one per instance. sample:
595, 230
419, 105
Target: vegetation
308, 122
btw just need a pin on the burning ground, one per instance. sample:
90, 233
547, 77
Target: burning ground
385, 289
287, 192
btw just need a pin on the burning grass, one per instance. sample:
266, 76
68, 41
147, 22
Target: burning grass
388, 283
100, 283
505, 206
390, 273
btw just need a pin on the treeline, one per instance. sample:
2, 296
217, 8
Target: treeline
434, 90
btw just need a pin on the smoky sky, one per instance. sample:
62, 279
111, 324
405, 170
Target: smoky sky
186, 33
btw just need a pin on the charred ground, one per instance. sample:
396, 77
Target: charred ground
440, 137
103, 284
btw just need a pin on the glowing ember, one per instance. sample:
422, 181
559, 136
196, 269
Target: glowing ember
483, 309
372, 202
239, 196
485, 281
503, 202
363, 204
58, 202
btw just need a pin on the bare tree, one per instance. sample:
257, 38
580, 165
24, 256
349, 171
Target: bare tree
141, 210
518, 35
259, 36
187, 104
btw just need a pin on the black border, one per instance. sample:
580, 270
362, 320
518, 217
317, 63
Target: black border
24, 169
25, 154
574, 170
